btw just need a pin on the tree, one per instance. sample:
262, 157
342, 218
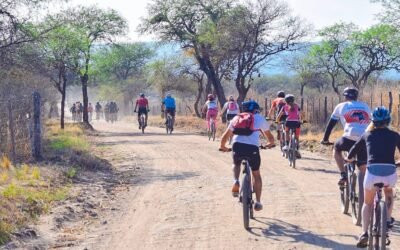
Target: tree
94, 25
391, 11
254, 32
188, 22
360, 53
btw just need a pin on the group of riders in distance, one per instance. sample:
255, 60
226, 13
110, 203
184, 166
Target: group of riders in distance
367, 137
109, 112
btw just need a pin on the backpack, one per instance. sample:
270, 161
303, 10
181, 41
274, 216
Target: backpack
232, 106
244, 124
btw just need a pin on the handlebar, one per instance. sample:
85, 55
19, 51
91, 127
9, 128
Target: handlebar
261, 147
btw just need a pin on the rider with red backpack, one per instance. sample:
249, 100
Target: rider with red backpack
231, 108
245, 128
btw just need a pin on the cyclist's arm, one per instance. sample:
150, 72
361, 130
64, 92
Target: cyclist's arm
224, 108
278, 117
356, 147
329, 128
269, 136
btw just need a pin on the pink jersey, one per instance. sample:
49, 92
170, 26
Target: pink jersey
293, 115
142, 102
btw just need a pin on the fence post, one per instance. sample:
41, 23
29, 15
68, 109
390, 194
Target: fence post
381, 99
302, 103
266, 106
36, 131
390, 101
326, 109
11, 132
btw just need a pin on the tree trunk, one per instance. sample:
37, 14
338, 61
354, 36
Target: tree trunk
242, 89
84, 81
200, 90
63, 93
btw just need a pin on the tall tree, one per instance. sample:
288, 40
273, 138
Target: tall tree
95, 26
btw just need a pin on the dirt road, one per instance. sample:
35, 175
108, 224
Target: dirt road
180, 198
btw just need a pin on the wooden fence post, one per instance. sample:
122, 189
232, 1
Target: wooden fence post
11, 132
266, 106
390, 101
326, 109
371, 99
302, 103
381, 99
36, 127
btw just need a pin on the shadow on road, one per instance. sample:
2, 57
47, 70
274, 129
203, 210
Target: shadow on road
279, 230
322, 170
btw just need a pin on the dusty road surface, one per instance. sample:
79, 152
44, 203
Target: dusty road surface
179, 198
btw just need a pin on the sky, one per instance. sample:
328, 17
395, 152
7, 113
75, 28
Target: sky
320, 13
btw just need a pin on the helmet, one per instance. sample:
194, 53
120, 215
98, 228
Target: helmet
141, 95
381, 116
231, 98
210, 97
250, 106
169, 95
281, 94
350, 92
289, 98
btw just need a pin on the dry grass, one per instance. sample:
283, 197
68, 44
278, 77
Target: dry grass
25, 193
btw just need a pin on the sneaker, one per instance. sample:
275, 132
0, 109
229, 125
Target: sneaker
235, 189
258, 206
363, 240
390, 223
298, 155
343, 179
285, 148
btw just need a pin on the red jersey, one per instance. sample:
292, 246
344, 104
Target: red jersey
142, 102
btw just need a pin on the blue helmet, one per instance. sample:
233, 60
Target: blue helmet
250, 106
381, 116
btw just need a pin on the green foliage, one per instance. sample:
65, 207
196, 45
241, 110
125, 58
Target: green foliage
68, 141
71, 172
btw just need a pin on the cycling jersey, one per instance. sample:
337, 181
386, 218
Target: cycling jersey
259, 124
381, 145
278, 104
232, 108
169, 103
211, 105
142, 102
354, 116
292, 114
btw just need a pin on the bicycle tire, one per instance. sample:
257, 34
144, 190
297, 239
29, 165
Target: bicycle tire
246, 198
383, 225
170, 125
213, 129
344, 197
294, 150
142, 125
359, 198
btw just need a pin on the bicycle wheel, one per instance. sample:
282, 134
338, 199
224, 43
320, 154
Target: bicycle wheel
344, 197
142, 122
383, 224
246, 200
358, 200
213, 130
294, 150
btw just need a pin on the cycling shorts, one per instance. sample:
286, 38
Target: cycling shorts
376, 174
292, 124
142, 111
242, 150
345, 144
229, 117
170, 111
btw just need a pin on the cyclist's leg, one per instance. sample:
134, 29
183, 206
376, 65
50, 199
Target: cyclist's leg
236, 153
173, 112
146, 115
208, 119
342, 144
255, 162
213, 115
391, 183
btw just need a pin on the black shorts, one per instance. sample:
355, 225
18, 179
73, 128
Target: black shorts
241, 150
229, 117
292, 124
170, 111
345, 144
142, 111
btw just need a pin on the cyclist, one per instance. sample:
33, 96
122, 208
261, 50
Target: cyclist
354, 116
210, 108
231, 108
381, 143
143, 105
98, 109
293, 120
168, 106
277, 105
248, 146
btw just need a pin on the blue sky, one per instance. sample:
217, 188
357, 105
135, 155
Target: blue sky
318, 12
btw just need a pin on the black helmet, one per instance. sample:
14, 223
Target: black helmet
289, 98
281, 94
250, 106
350, 92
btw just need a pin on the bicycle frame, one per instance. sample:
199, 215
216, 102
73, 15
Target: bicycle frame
292, 147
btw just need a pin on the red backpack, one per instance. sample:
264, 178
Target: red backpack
243, 124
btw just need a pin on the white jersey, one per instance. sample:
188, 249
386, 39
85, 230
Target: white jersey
259, 124
354, 116
211, 105
232, 108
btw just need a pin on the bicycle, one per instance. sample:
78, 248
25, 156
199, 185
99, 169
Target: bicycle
246, 190
355, 183
212, 130
291, 152
142, 120
378, 228
169, 126
282, 139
